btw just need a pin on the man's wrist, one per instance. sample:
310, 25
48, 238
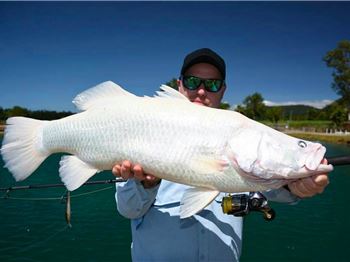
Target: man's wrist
149, 184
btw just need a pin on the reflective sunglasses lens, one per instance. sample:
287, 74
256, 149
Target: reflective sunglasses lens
213, 85
191, 82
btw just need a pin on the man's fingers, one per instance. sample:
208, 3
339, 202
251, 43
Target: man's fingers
126, 165
307, 185
116, 171
125, 170
310, 186
138, 173
304, 187
150, 177
295, 189
321, 180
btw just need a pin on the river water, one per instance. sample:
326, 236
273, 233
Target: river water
33, 227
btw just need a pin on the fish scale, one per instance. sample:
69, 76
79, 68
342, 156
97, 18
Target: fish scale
211, 149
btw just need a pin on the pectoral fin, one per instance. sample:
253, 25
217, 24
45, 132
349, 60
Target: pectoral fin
195, 199
208, 164
74, 172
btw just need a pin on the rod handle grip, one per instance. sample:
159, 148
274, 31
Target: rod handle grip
339, 160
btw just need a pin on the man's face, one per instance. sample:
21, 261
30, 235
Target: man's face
201, 96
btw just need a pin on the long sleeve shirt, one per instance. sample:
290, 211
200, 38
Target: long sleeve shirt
159, 234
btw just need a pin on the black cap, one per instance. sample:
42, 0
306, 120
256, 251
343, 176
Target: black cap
204, 55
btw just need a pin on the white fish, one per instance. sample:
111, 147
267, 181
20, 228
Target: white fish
211, 149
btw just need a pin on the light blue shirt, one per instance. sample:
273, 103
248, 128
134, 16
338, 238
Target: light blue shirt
159, 234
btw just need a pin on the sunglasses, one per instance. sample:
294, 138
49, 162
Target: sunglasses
211, 85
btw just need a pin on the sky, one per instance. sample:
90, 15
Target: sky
51, 51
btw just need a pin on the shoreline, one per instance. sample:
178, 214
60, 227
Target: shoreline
324, 137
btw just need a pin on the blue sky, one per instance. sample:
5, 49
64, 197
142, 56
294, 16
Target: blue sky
49, 52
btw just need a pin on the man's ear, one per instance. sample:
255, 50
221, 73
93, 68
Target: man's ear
224, 87
223, 90
179, 88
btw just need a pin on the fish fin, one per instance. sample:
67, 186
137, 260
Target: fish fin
195, 199
99, 95
75, 172
168, 92
21, 147
208, 164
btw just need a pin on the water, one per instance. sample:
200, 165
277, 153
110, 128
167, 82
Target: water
36, 230
316, 229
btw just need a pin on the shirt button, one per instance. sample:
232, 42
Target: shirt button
202, 231
202, 257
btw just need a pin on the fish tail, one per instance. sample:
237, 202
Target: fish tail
22, 149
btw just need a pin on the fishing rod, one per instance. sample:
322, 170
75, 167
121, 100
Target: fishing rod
237, 205
339, 160
40, 186
66, 197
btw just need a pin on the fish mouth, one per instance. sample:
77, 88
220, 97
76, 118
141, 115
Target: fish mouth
322, 168
314, 161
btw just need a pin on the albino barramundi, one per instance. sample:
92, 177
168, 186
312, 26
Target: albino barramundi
211, 149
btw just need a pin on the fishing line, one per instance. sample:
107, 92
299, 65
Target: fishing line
37, 243
66, 197
56, 198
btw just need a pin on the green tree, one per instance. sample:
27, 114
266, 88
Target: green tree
254, 106
240, 109
2, 114
224, 105
17, 111
339, 60
313, 114
274, 113
172, 83
48, 115
338, 116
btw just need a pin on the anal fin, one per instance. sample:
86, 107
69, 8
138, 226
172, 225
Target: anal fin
75, 172
195, 199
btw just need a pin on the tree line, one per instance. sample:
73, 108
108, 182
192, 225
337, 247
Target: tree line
37, 114
338, 59
253, 107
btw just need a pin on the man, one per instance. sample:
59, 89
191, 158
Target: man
153, 205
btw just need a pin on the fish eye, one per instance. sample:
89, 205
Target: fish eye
302, 144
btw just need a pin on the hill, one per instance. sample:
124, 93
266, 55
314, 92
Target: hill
298, 112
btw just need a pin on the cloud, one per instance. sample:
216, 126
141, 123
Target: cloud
316, 103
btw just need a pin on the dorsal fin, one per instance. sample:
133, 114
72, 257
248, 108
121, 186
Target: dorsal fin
99, 95
168, 92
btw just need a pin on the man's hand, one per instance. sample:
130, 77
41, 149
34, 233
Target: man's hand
309, 186
127, 170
